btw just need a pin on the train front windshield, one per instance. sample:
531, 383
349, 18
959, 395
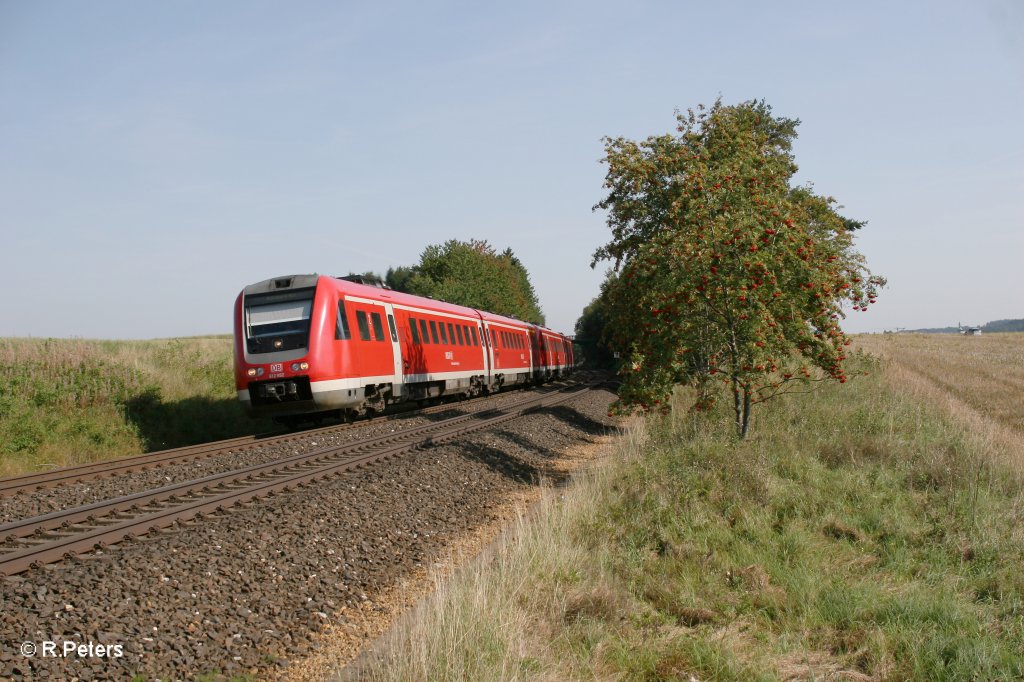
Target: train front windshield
278, 321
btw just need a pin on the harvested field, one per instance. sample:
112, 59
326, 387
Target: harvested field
976, 380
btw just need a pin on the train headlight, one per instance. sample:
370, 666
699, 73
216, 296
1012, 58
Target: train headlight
300, 366
255, 371
251, 372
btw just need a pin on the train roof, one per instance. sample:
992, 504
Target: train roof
279, 283
350, 288
370, 291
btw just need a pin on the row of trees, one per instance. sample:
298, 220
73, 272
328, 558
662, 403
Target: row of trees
472, 274
722, 270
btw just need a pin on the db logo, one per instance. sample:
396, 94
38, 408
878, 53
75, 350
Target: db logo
278, 367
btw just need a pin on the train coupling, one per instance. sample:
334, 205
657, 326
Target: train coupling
280, 390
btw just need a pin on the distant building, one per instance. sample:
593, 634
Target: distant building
969, 331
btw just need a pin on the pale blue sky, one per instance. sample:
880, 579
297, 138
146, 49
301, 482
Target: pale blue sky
157, 157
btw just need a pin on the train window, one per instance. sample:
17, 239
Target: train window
451, 333
458, 333
519, 342
394, 332
364, 326
465, 334
423, 332
415, 332
433, 331
278, 321
475, 341
378, 326
494, 339
341, 331
444, 334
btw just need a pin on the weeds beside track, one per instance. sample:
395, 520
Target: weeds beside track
859, 534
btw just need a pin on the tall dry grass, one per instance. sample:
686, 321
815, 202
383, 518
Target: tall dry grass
482, 625
68, 401
860, 534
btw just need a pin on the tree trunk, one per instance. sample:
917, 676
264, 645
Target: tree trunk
746, 412
737, 407
741, 400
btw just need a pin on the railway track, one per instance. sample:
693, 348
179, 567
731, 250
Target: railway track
44, 539
27, 483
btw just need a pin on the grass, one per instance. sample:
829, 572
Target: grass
861, 533
71, 401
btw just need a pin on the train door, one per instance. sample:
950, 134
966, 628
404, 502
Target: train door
396, 348
537, 342
488, 352
485, 346
529, 350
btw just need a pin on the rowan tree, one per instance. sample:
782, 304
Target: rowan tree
726, 272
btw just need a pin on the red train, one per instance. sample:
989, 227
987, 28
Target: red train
307, 346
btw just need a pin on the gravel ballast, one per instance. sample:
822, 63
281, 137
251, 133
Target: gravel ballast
39, 502
247, 592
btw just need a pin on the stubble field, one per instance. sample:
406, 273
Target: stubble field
975, 380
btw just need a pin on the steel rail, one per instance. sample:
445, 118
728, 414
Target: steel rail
22, 559
113, 467
86, 513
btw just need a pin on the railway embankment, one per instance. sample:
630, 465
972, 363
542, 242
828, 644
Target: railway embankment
70, 401
248, 592
860, 534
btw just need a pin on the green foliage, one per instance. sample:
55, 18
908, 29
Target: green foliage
725, 272
999, 326
472, 274
592, 328
399, 278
